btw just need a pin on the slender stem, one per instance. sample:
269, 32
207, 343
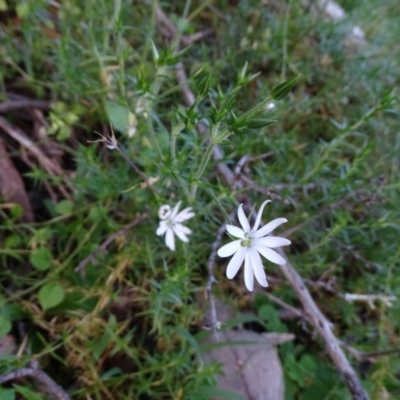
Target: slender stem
201, 168
174, 134
284, 44
132, 164
213, 142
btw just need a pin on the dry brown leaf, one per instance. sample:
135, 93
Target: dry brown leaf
11, 185
252, 370
7, 345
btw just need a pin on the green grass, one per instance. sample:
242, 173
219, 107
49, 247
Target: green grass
129, 327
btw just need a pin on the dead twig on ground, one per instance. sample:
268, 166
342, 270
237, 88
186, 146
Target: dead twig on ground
11, 105
169, 30
92, 256
211, 280
264, 191
370, 299
12, 187
48, 165
323, 327
33, 371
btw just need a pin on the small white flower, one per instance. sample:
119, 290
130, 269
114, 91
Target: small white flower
171, 224
270, 106
251, 242
110, 140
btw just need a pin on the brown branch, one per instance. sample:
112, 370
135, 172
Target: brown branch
48, 165
263, 190
33, 371
12, 105
169, 30
323, 327
92, 256
211, 280
12, 187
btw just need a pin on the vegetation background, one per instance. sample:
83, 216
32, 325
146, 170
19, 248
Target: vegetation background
128, 323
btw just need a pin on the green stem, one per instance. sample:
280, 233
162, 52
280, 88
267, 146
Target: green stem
285, 37
215, 139
201, 169
174, 134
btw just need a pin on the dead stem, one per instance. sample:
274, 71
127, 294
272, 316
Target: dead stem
33, 371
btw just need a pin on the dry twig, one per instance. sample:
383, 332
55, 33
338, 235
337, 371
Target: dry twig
33, 371
11, 105
370, 299
323, 327
211, 280
48, 165
12, 186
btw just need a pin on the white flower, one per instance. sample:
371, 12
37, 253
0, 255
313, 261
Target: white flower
171, 224
109, 140
250, 242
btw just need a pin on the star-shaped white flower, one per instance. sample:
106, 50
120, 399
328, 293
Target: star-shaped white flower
171, 224
250, 244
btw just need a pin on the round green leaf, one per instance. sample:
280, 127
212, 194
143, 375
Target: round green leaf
5, 325
13, 241
118, 115
64, 207
41, 258
51, 295
17, 211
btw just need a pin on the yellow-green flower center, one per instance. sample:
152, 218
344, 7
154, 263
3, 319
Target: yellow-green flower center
246, 242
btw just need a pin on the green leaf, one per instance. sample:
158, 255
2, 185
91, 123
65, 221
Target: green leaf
50, 295
283, 89
27, 393
64, 207
17, 211
207, 392
13, 241
22, 10
293, 369
118, 115
308, 363
5, 325
40, 258
7, 394
3, 7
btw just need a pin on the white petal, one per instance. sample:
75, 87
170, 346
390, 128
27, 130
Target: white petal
182, 228
170, 239
271, 241
270, 255
259, 215
268, 228
184, 215
235, 231
229, 249
243, 219
248, 272
258, 268
161, 229
236, 262
175, 210
164, 211
181, 232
